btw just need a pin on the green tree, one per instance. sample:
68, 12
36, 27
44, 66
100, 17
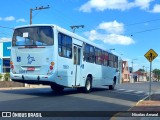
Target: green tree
157, 73
141, 70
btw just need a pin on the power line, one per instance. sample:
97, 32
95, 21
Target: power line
88, 27
6, 27
147, 21
5, 33
147, 30
36, 14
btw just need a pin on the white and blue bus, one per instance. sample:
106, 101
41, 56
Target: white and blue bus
51, 55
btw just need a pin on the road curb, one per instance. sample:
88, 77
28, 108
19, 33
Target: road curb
140, 101
18, 88
114, 117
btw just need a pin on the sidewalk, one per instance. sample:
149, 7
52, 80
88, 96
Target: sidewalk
27, 87
142, 110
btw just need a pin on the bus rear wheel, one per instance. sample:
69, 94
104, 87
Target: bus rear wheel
88, 85
111, 87
57, 88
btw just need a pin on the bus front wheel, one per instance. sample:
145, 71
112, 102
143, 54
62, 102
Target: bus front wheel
111, 87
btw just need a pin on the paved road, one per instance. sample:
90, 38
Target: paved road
100, 99
155, 87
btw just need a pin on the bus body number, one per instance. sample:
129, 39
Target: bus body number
22, 71
65, 67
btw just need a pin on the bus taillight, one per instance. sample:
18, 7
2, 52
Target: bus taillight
11, 64
12, 67
52, 63
51, 67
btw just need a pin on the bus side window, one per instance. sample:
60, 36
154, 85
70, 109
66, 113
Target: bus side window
75, 55
110, 60
98, 56
116, 62
84, 52
106, 59
89, 53
64, 46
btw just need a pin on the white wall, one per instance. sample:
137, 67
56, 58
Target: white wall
1, 50
1, 55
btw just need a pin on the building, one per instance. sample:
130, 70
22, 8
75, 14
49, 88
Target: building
125, 72
139, 76
5, 51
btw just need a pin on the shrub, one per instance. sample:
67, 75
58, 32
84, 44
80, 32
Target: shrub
6, 77
1, 76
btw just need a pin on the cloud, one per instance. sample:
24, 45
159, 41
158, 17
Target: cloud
109, 38
118, 39
4, 39
12, 18
21, 20
112, 27
101, 5
143, 4
109, 34
156, 9
9, 18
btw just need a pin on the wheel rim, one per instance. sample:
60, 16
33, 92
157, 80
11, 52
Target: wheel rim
88, 85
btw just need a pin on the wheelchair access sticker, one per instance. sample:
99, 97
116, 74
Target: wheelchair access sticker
18, 59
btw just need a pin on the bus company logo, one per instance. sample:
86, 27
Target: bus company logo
30, 59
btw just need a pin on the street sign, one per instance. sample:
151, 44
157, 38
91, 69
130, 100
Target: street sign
151, 55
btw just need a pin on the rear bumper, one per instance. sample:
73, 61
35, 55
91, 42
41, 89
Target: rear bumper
34, 82
32, 79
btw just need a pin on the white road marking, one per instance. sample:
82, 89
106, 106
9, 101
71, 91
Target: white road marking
129, 90
104, 99
132, 92
120, 89
139, 92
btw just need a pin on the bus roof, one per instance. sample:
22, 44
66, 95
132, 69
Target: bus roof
68, 33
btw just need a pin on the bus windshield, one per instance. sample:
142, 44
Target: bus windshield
33, 36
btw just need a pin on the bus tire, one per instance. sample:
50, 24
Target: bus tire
57, 88
88, 85
111, 87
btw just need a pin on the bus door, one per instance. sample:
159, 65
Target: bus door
77, 61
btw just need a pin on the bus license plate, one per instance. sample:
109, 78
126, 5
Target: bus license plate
30, 68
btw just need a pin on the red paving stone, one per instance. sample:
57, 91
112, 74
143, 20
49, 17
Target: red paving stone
148, 105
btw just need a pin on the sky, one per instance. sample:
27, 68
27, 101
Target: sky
131, 27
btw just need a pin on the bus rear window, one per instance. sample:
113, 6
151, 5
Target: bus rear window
33, 36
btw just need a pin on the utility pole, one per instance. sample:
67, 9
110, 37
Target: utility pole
74, 27
143, 72
132, 70
37, 8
